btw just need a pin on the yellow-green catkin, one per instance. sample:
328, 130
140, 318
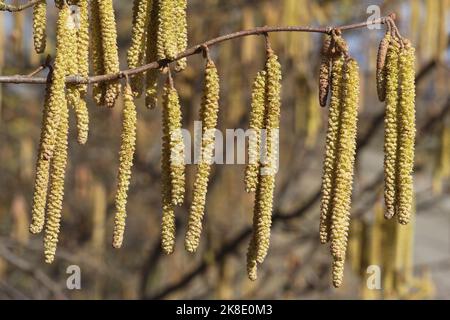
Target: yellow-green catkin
256, 125
98, 89
172, 165
167, 47
208, 115
83, 43
266, 186
381, 63
151, 77
252, 264
181, 32
126, 154
56, 187
110, 49
329, 162
39, 26
340, 215
390, 129
406, 133
325, 70
136, 52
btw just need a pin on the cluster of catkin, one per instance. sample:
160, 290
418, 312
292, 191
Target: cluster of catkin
339, 75
396, 86
262, 167
159, 32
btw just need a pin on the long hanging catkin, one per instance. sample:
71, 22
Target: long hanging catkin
406, 133
39, 26
329, 163
266, 185
96, 45
391, 129
325, 70
167, 30
340, 217
151, 77
208, 114
256, 125
181, 32
381, 63
136, 52
126, 154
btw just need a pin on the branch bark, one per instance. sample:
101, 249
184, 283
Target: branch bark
17, 8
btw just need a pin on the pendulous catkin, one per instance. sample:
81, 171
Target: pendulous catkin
110, 50
39, 26
167, 30
406, 133
126, 154
151, 77
330, 158
340, 215
83, 43
381, 62
325, 70
256, 125
96, 45
208, 115
181, 31
390, 129
136, 52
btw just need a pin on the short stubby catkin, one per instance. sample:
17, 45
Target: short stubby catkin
381, 70
126, 154
325, 71
208, 115
56, 187
391, 129
406, 133
167, 30
181, 32
151, 77
110, 50
346, 148
136, 52
256, 125
329, 162
39, 26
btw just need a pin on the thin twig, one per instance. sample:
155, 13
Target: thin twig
17, 8
189, 52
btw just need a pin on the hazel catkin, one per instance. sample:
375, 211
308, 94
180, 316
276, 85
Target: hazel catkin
381, 70
167, 30
257, 114
96, 45
406, 133
126, 154
325, 70
208, 115
151, 77
181, 31
391, 129
329, 162
39, 26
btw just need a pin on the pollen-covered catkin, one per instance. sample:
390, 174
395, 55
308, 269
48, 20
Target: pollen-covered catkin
39, 25
181, 32
98, 67
381, 70
83, 43
252, 265
167, 30
110, 50
136, 52
390, 129
151, 77
126, 154
256, 125
406, 134
340, 214
329, 162
325, 70
208, 115
266, 185
56, 187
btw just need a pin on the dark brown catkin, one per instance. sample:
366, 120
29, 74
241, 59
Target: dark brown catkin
325, 70
208, 115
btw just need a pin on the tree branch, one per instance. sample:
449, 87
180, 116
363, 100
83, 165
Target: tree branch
17, 8
190, 52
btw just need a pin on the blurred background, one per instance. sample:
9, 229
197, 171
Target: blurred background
414, 259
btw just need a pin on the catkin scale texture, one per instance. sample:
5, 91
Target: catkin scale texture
39, 26
167, 28
98, 89
180, 21
83, 44
256, 124
126, 154
208, 114
151, 77
390, 129
406, 134
329, 162
340, 216
324, 71
381, 70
